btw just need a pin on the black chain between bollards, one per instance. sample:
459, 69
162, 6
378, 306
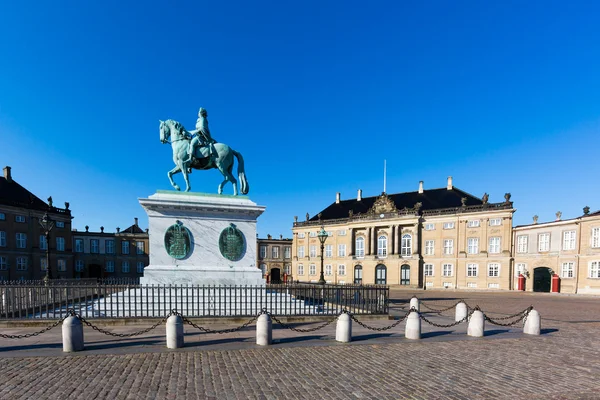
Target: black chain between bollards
523, 317
274, 318
466, 318
385, 328
96, 328
46, 329
442, 309
220, 331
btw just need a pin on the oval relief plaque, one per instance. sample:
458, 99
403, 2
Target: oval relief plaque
232, 243
178, 241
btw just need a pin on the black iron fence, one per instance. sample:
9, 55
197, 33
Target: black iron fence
101, 300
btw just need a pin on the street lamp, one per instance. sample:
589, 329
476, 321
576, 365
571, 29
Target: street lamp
47, 225
322, 235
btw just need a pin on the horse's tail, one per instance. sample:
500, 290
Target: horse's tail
244, 187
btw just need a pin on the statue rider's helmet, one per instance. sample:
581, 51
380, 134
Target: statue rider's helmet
202, 112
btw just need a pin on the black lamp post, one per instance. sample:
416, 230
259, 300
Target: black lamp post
322, 235
47, 225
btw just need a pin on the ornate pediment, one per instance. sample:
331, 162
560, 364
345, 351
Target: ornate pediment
383, 205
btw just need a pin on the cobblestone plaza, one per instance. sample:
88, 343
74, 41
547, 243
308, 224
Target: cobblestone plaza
562, 363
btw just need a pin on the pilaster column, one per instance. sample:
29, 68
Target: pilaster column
368, 241
392, 240
397, 238
351, 250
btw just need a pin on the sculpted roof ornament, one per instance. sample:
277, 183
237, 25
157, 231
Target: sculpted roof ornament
383, 204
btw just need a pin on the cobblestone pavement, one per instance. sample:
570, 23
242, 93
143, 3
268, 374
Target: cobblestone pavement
562, 363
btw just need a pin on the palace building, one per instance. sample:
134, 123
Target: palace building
275, 258
434, 238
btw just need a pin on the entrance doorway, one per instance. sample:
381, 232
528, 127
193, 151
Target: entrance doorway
358, 275
405, 275
275, 275
95, 271
541, 279
381, 275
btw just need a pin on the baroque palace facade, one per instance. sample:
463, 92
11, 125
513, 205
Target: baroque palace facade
436, 238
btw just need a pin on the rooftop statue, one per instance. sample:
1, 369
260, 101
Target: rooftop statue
198, 150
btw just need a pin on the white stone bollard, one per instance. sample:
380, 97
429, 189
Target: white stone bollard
413, 326
533, 323
72, 334
461, 312
174, 332
476, 324
414, 302
343, 330
264, 330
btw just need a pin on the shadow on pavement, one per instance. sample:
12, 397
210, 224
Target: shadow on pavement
300, 339
434, 334
548, 330
32, 347
493, 332
373, 336
120, 344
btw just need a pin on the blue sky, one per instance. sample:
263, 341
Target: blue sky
503, 96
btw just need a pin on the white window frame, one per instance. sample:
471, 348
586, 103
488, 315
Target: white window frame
449, 225
2, 217
472, 270
569, 240
520, 268
286, 269
301, 235
21, 242
43, 263
312, 250
448, 247
406, 245
140, 267
94, 246
3, 263
342, 269
543, 245
342, 232
522, 243
275, 252
287, 252
20, 218
110, 266
382, 246
595, 238
3, 239
300, 269
567, 270
447, 270
430, 247
495, 221
79, 246
43, 242
79, 266
139, 247
341, 250
312, 269
300, 251
594, 269
61, 265
360, 247
328, 250
60, 224
125, 247
21, 263
125, 268
312, 234
263, 252
328, 270
109, 246
494, 245
494, 270
473, 245
428, 269
430, 227
60, 243
473, 223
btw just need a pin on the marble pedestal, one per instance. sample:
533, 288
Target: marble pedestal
205, 216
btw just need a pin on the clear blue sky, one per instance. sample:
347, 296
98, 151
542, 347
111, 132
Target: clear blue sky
504, 96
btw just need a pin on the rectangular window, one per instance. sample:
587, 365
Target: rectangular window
495, 221
21, 240
448, 246
429, 227
472, 270
263, 251
313, 251
473, 223
43, 263
21, 263
287, 269
360, 247
287, 252
79, 266
544, 242
275, 252
329, 250
140, 267
341, 269
342, 232
520, 269
406, 245
341, 250
43, 242
19, 218
300, 251
329, 233
448, 225
300, 269
125, 267
60, 224
60, 244
110, 266
312, 234
494, 245
569, 240
328, 269
595, 237
78, 245
94, 246
447, 270
3, 263
428, 269
522, 243
312, 269
301, 235
471, 285
139, 247
429, 247
110, 246
2, 216
594, 269
473, 245
2, 239
567, 270
494, 269
62, 265
493, 286
125, 247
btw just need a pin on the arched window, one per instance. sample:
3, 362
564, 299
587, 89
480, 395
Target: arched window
382, 246
263, 269
358, 275
380, 275
406, 245
360, 246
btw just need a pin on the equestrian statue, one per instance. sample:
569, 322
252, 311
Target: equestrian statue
198, 150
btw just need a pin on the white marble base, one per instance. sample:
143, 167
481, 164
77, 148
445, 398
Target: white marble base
205, 216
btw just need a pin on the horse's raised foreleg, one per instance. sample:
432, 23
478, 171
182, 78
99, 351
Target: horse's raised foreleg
170, 175
183, 166
228, 178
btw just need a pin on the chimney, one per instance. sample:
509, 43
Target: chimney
101, 229
118, 229
280, 236
269, 237
421, 187
7, 174
535, 219
558, 215
359, 196
449, 186
337, 198
87, 228
136, 221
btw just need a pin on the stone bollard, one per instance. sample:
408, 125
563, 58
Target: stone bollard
461, 312
72, 334
174, 332
476, 324
413, 326
414, 302
264, 330
533, 323
343, 330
